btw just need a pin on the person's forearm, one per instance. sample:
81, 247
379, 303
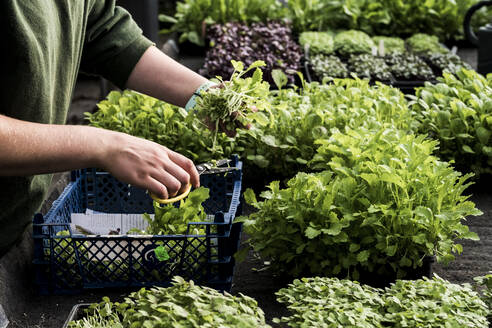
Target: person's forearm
160, 76
30, 148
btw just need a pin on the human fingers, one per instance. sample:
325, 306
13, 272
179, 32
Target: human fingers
179, 173
172, 184
156, 187
187, 165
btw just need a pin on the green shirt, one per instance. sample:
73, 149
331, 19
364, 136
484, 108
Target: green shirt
44, 44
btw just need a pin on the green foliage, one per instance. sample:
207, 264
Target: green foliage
353, 42
98, 321
483, 286
383, 203
391, 44
182, 305
317, 42
173, 220
458, 112
278, 139
326, 67
421, 43
333, 303
434, 303
409, 67
443, 18
320, 15
146, 117
448, 62
281, 142
192, 16
370, 67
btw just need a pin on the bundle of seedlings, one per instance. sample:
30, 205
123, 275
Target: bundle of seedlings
370, 67
228, 105
409, 67
183, 305
353, 42
326, 67
447, 62
317, 42
271, 42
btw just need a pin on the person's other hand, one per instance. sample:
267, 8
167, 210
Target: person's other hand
146, 164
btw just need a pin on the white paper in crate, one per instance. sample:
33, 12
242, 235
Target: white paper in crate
95, 223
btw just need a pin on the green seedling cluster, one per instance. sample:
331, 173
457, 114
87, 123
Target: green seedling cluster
184, 305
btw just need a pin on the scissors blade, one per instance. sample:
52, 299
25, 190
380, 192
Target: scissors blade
217, 167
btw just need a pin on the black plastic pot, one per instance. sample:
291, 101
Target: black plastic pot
76, 313
380, 281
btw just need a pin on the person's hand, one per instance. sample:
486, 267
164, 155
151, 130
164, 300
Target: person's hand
147, 164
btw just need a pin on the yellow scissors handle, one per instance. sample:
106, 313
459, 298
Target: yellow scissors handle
174, 199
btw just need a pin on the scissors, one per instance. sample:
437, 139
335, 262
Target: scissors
219, 166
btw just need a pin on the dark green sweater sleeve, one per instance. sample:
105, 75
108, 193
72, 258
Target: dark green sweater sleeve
113, 42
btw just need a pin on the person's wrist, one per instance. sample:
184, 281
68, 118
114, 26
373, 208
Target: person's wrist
103, 147
197, 93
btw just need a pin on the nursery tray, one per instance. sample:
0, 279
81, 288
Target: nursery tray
72, 262
375, 280
405, 86
408, 87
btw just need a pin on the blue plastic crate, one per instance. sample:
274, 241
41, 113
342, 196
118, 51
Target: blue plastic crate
74, 262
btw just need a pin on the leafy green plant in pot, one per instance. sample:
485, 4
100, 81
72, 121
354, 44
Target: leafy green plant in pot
283, 144
351, 42
317, 42
458, 112
383, 203
421, 43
